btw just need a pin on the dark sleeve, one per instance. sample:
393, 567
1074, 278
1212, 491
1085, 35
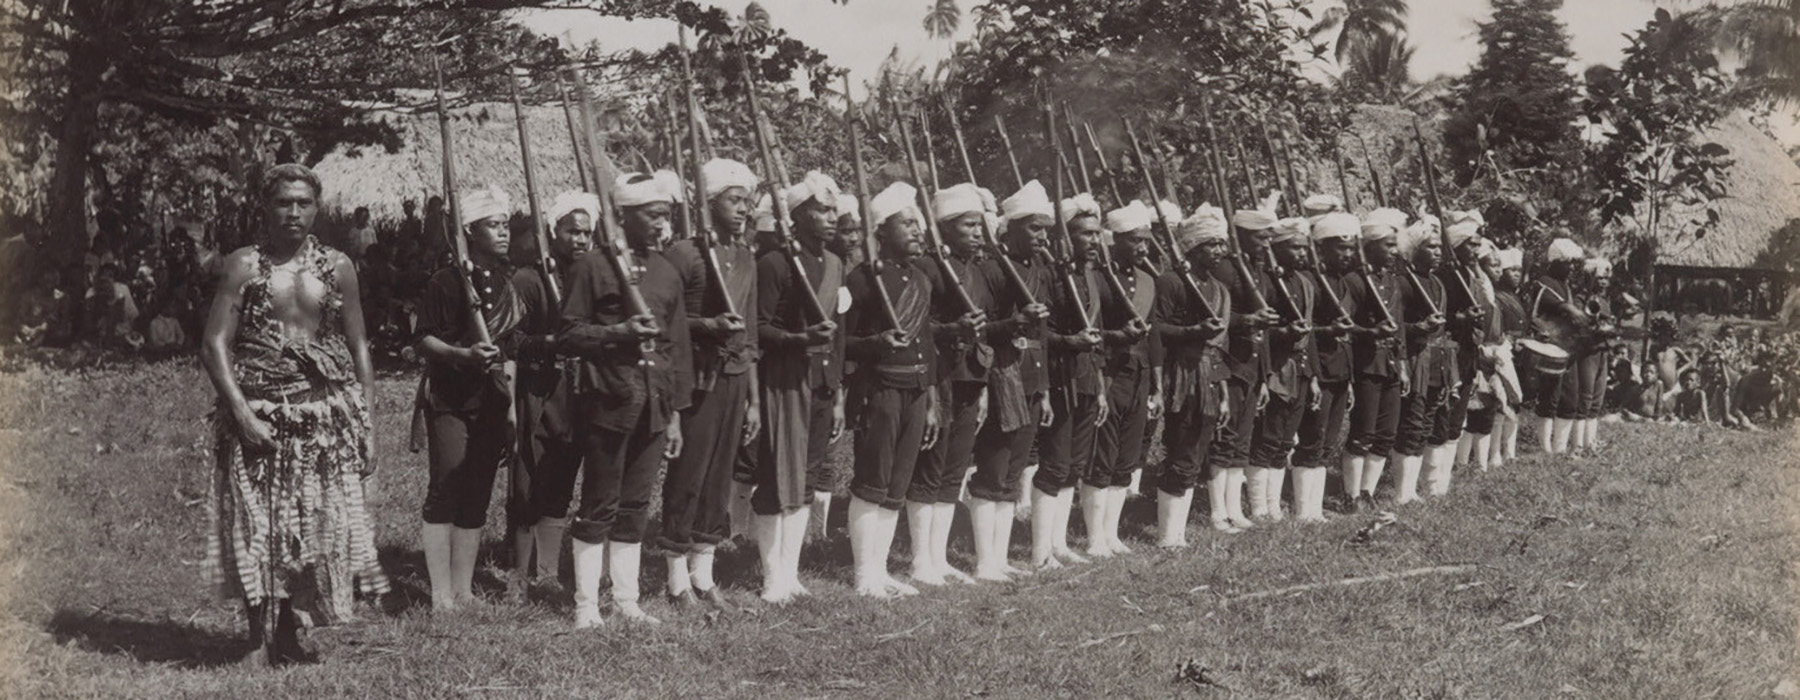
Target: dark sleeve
861, 344
1169, 292
681, 348
690, 270
440, 308
772, 277
582, 334
1153, 320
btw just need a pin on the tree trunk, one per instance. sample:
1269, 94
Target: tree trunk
1650, 278
64, 235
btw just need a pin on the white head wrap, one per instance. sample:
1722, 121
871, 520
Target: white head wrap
1291, 229
1030, 200
575, 201
1564, 249
1470, 215
1510, 258
1462, 232
957, 200
1320, 204
898, 198
723, 174
1078, 206
815, 186
1169, 211
763, 217
1131, 217
637, 189
483, 203
1336, 224
1382, 224
849, 205
1254, 219
1411, 237
1597, 266
1207, 224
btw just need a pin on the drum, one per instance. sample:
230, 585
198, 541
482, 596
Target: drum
1544, 358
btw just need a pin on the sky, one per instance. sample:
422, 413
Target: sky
860, 33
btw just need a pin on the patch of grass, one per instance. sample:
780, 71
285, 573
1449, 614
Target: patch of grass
1663, 568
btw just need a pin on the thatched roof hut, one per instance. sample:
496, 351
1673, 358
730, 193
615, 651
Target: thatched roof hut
487, 153
1764, 196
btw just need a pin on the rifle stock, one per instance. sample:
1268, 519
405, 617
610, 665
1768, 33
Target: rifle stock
875, 263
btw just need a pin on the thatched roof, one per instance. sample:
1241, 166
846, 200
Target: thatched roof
1764, 195
487, 153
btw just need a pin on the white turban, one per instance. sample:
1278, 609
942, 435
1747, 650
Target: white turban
1411, 237
575, 201
1471, 215
723, 174
1564, 249
1078, 206
1290, 230
1169, 211
764, 216
815, 186
1207, 224
1254, 219
1336, 224
898, 198
1382, 224
638, 189
484, 203
1319, 204
957, 200
1597, 266
988, 203
849, 205
1462, 232
1510, 258
1030, 200
1131, 217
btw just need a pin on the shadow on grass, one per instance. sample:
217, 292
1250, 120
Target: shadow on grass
161, 641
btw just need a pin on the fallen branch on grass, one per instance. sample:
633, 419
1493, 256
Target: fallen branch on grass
1409, 573
905, 633
1118, 635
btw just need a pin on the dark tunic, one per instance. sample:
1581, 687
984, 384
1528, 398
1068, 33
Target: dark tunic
798, 381
890, 385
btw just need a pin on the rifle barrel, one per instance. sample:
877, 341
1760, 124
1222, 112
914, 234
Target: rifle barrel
775, 179
935, 237
875, 263
612, 244
706, 238
987, 232
546, 263
1011, 159
1177, 260
459, 245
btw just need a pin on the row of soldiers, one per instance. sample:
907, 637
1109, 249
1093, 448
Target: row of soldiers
988, 369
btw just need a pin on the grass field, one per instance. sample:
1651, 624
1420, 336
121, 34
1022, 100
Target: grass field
1665, 568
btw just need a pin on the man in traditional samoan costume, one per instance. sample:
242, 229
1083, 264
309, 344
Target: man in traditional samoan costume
286, 351
1193, 313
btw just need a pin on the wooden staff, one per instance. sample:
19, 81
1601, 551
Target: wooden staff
546, 262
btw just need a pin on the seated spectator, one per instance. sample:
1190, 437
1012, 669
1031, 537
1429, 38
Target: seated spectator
1690, 400
111, 309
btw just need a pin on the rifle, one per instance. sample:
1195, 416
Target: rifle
1064, 255
611, 240
876, 264
546, 263
581, 167
1337, 159
1381, 199
1457, 273
1112, 178
1006, 143
931, 166
1312, 247
987, 232
1218, 175
1276, 274
685, 206
775, 176
1075, 141
459, 245
1177, 262
705, 238
935, 238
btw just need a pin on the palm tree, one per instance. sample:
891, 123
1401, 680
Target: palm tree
1377, 68
1360, 22
942, 21
1766, 35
